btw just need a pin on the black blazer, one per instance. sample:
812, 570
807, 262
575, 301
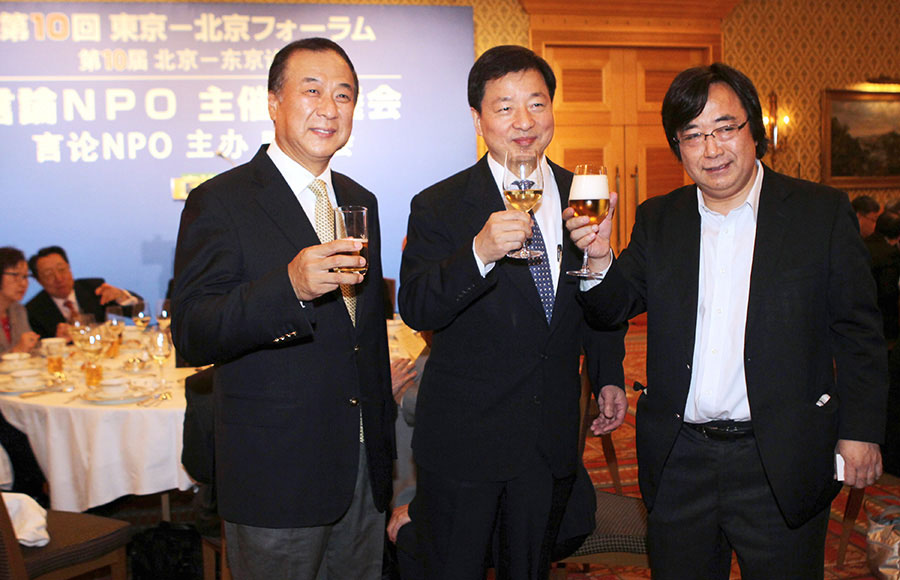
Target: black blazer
812, 328
499, 381
44, 315
290, 378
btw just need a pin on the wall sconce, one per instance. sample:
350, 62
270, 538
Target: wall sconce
776, 129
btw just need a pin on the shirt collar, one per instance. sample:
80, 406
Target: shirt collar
497, 171
297, 176
752, 199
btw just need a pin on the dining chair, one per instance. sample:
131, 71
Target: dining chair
79, 543
213, 549
620, 530
851, 511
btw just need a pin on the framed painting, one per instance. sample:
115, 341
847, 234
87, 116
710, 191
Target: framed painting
860, 139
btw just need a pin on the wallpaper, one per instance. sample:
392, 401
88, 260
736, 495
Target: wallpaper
496, 21
798, 48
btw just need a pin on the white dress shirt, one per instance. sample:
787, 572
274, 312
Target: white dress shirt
299, 179
718, 384
548, 215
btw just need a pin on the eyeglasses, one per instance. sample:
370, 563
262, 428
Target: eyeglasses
16, 275
721, 134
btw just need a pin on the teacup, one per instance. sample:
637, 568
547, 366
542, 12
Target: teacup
15, 360
114, 387
26, 377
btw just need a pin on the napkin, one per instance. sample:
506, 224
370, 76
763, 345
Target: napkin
29, 519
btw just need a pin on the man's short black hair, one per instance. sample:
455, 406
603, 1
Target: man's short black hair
888, 225
498, 62
315, 44
687, 95
865, 204
43, 252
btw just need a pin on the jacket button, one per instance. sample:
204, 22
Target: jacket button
354, 401
356, 348
536, 399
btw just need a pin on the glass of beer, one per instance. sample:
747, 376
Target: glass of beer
523, 186
589, 196
55, 350
351, 223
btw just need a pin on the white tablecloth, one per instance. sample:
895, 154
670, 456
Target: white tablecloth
92, 454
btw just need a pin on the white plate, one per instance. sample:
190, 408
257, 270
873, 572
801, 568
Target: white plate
13, 388
97, 399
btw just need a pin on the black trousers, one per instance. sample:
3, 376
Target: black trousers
714, 498
461, 526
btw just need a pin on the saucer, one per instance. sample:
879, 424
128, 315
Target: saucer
97, 398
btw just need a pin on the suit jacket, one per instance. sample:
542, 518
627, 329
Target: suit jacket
44, 315
290, 378
812, 328
886, 271
18, 325
500, 382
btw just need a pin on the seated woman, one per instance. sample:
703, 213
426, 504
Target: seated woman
16, 335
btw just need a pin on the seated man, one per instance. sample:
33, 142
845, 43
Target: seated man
64, 297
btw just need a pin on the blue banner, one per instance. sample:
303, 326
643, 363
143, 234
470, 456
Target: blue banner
111, 112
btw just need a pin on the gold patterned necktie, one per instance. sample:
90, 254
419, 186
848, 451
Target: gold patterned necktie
325, 231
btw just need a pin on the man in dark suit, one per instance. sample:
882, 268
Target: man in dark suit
882, 246
497, 414
764, 345
303, 407
63, 297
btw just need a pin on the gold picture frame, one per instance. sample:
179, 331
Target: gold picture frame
860, 139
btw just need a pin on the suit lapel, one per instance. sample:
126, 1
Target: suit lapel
682, 262
278, 201
484, 199
567, 286
771, 224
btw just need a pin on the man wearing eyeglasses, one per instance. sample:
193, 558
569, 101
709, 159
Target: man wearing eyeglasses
63, 297
764, 344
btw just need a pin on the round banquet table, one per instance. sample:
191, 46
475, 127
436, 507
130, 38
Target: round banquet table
94, 451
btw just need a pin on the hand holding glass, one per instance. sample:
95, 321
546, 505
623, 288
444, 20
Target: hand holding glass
351, 223
523, 186
589, 197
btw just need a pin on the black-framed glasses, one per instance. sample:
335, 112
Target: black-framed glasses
721, 134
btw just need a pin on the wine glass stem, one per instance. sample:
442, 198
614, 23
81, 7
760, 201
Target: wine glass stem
159, 374
584, 261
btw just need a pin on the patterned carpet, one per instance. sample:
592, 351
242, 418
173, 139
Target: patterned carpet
854, 567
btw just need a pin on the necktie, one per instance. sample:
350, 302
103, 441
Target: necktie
540, 270
70, 306
325, 231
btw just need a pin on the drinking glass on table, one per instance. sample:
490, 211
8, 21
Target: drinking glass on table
589, 196
159, 348
164, 314
55, 350
523, 186
115, 325
140, 315
351, 223
92, 342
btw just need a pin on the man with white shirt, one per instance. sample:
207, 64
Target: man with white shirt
303, 407
764, 345
497, 413
64, 298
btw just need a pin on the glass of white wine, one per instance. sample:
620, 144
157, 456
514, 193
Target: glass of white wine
159, 349
140, 315
115, 325
164, 314
523, 186
589, 196
351, 223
